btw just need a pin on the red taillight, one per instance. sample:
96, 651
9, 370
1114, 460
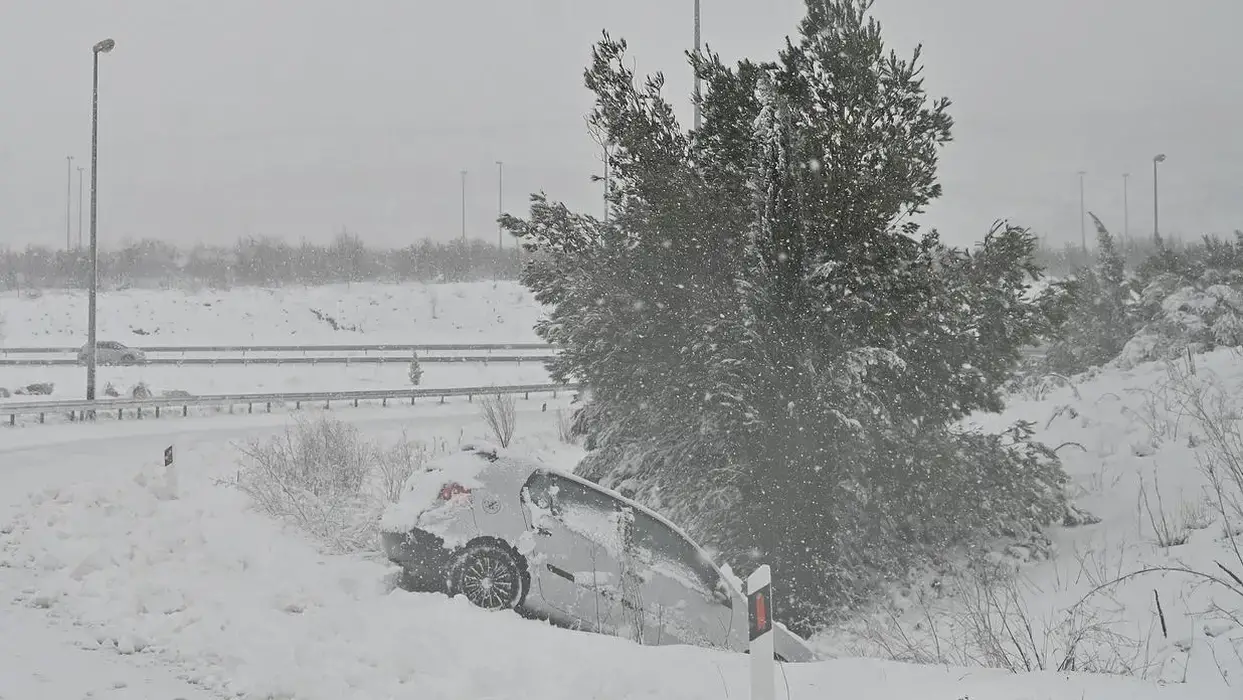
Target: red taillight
448, 491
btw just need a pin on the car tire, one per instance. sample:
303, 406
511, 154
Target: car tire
129, 360
490, 574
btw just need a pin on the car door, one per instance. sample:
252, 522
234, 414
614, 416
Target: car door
685, 597
574, 553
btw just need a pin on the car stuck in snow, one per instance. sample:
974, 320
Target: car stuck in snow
509, 533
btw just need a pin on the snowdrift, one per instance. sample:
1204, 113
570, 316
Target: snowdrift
182, 571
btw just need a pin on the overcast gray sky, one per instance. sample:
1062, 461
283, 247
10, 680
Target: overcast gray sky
294, 118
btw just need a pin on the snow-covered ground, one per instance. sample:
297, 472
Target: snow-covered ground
1133, 449
364, 313
484, 312
110, 589
202, 590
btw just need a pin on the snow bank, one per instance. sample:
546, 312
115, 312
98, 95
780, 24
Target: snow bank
1132, 452
244, 608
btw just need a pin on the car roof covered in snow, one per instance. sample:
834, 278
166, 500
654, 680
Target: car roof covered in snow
527, 464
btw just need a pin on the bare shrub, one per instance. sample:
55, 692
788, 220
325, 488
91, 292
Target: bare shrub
500, 413
313, 476
395, 465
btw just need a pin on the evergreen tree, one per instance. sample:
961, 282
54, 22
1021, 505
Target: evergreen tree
775, 353
1102, 318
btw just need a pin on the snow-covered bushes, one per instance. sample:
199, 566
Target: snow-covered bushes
1176, 302
1186, 314
1101, 318
324, 478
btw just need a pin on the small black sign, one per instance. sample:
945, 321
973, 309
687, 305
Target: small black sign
168, 455
760, 610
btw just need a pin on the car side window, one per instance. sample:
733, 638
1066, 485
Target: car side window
537, 489
570, 495
672, 555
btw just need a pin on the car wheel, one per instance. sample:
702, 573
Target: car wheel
129, 360
491, 575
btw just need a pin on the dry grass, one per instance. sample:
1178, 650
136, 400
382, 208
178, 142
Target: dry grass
1168, 531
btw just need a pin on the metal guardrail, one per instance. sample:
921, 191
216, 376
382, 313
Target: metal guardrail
433, 347
289, 360
82, 409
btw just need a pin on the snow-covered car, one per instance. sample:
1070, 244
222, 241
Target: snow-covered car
110, 352
510, 533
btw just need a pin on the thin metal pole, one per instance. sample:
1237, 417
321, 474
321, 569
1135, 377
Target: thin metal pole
68, 203
91, 324
463, 206
1156, 207
80, 171
698, 118
1126, 207
500, 202
1083, 229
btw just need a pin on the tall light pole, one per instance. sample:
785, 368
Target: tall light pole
1126, 207
1083, 229
68, 203
102, 47
80, 171
698, 119
1156, 204
500, 201
463, 206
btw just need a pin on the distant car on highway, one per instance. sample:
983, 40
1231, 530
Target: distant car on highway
110, 352
508, 533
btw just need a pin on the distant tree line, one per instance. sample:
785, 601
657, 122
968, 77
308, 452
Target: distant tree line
259, 261
1133, 251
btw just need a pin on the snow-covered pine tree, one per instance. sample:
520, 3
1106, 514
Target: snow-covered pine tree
775, 354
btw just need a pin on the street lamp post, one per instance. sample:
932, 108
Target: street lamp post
1156, 203
102, 47
463, 206
68, 203
1126, 209
500, 201
80, 190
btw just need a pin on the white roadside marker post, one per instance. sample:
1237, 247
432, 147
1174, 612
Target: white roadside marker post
760, 612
